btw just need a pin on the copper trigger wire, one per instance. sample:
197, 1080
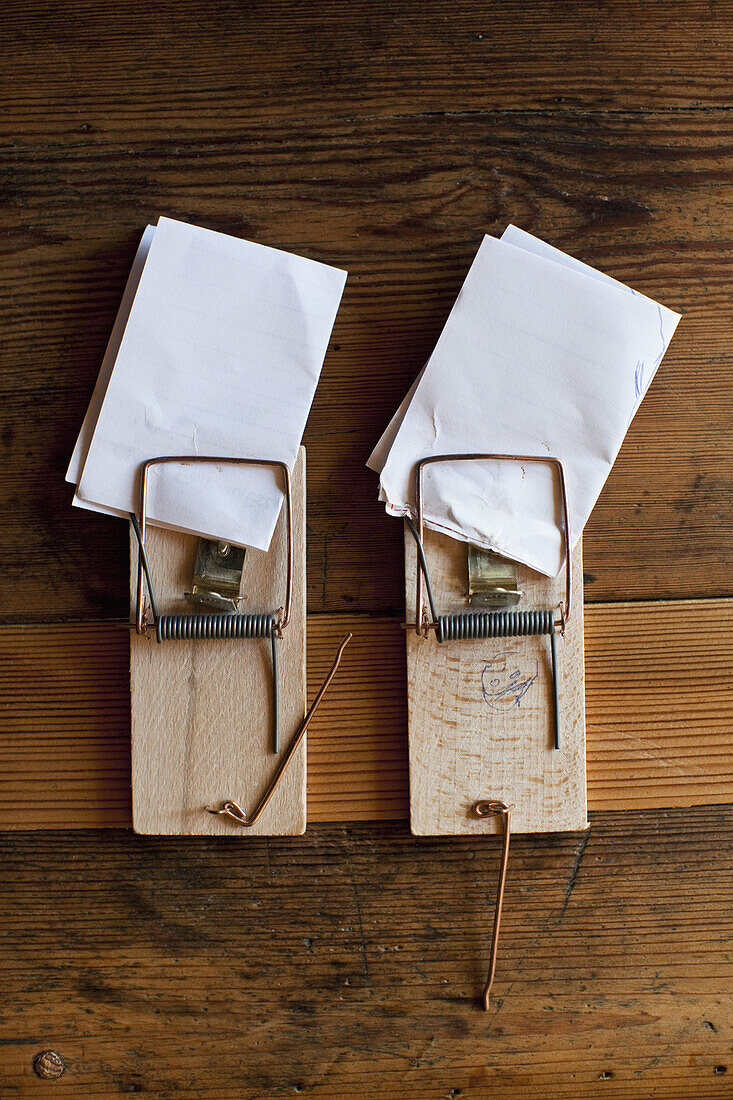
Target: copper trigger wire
232, 809
493, 624
495, 808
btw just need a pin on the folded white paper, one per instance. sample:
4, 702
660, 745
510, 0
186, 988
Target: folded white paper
81, 449
541, 355
220, 355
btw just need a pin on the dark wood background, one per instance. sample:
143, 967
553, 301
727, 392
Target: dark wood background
385, 138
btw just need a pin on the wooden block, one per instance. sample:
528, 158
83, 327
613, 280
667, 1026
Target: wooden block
201, 711
480, 712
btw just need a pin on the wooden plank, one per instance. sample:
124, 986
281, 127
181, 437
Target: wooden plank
347, 963
646, 196
201, 712
471, 736
659, 709
659, 704
223, 59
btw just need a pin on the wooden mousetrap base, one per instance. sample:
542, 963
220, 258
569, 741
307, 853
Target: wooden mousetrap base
480, 711
202, 710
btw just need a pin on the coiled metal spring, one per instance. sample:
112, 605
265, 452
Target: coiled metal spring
493, 624
171, 628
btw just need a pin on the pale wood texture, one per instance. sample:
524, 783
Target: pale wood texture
201, 711
65, 758
470, 740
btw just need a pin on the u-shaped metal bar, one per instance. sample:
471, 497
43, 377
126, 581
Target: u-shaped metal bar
420, 627
218, 626
211, 460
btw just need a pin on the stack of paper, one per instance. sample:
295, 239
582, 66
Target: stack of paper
217, 350
541, 355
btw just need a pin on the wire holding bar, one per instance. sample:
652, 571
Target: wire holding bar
493, 624
232, 809
215, 627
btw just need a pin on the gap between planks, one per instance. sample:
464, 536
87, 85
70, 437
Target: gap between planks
659, 703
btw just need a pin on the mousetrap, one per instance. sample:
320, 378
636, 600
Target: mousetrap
217, 676
495, 673
496, 697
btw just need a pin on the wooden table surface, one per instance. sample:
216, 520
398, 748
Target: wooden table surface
384, 137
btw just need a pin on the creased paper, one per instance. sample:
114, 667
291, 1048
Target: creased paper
220, 355
540, 355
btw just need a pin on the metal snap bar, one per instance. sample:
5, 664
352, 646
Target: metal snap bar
220, 626
491, 624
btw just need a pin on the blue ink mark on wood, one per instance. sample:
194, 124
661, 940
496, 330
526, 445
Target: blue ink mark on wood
503, 685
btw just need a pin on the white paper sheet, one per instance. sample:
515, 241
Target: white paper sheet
378, 457
521, 239
89, 423
221, 355
540, 355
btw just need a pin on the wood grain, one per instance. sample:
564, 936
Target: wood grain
385, 138
659, 705
401, 203
198, 68
201, 711
462, 750
348, 962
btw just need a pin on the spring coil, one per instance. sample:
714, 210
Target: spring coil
493, 624
174, 628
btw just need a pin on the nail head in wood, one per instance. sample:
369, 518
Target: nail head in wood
49, 1065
